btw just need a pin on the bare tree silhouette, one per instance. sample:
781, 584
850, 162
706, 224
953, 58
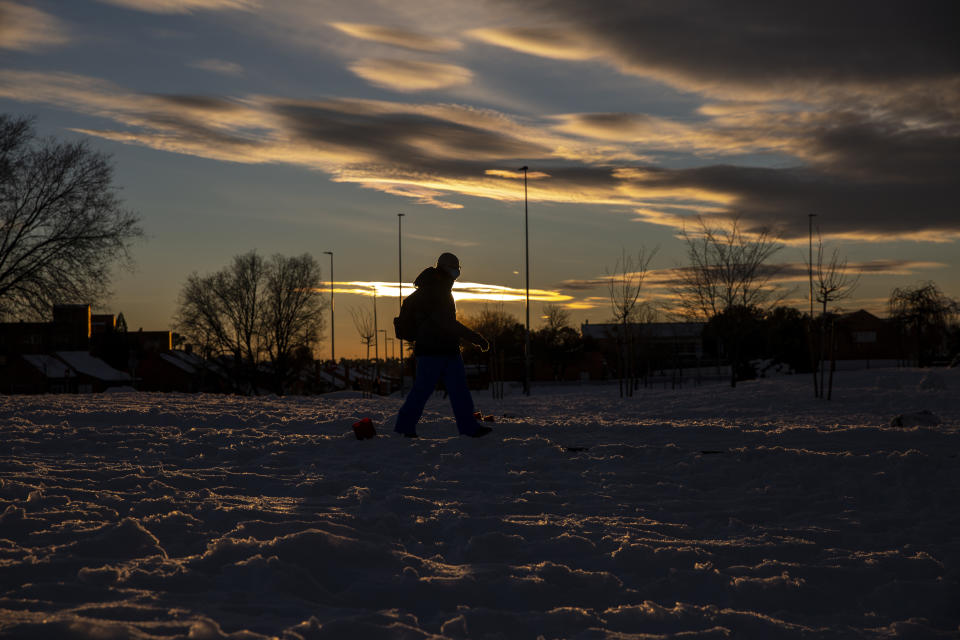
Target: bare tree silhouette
220, 313
728, 276
832, 282
927, 313
624, 284
255, 309
292, 312
557, 317
62, 226
363, 323
505, 333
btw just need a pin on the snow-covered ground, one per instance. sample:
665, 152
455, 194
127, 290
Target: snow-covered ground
711, 512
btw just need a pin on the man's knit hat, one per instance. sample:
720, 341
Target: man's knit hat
448, 260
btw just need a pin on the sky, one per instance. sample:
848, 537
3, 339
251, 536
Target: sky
295, 126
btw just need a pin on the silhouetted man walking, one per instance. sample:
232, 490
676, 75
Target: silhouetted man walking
437, 351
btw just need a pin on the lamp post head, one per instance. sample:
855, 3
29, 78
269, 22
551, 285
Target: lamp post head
523, 168
329, 253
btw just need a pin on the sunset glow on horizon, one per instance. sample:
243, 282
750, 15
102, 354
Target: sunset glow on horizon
462, 291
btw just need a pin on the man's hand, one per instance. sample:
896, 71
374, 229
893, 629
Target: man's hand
481, 343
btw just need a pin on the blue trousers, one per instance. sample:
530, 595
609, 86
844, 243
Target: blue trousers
430, 369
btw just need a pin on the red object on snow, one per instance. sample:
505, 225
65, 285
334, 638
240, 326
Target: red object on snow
489, 419
480, 416
364, 429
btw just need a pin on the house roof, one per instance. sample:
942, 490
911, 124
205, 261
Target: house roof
650, 329
48, 365
215, 366
862, 320
84, 363
179, 363
861, 315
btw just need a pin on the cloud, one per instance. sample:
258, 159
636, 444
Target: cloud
581, 305
884, 267
517, 174
868, 176
218, 66
865, 208
410, 75
753, 46
557, 43
706, 136
397, 37
401, 133
420, 25
886, 149
437, 240
584, 284
24, 28
184, 6
660, 279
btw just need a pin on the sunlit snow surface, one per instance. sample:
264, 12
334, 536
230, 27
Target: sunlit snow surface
755, 512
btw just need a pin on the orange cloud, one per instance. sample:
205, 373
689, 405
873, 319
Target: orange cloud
184, 6
658, 283
24, 28
516, 175
556, 43
713, 136
397, 37
434, 153
410, 75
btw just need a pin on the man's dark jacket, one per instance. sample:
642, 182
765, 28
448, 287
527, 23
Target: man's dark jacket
438, 332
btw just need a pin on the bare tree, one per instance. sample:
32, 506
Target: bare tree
221, 313
363, 323
927, 313
292, 315
239, 289
199, 319
832, 282
557, 341
728, 267
624, 284
728, 274
506, 337
492, 322
62, 226
557, 317
253, 309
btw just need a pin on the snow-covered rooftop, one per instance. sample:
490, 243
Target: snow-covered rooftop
179, 363
83, 362
650, 329
47, 365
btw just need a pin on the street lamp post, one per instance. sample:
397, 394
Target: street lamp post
810, 217
333, 355
400, 282
526, 253
376, 341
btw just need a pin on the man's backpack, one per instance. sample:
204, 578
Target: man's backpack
406, 324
